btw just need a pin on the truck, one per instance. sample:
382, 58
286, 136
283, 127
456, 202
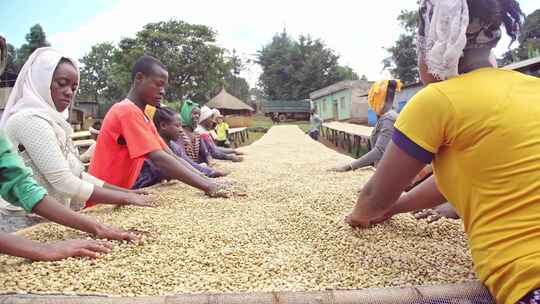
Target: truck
287, 109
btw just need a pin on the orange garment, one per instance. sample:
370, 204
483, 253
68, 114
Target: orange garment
126, 138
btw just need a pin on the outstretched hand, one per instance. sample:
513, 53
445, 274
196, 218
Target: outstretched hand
219, 191
365, 223
75, 248
432, 215
111, 233
139, 199
342, 168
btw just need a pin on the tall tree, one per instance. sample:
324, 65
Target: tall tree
35, 39
237, 86
529, 41
294, 68
234, 84
347, 73
196, 65
11, 66
96, 73
274, 59
402, 62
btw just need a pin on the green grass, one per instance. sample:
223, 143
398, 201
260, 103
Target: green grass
261, 124
253, 137
261, 121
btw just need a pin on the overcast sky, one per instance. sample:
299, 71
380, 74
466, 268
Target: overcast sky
356, 30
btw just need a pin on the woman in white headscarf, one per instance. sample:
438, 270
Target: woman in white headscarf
205, 126
479, 126
35, 120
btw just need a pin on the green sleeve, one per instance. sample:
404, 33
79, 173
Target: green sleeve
16, 183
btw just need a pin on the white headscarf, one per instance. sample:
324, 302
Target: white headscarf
206, 113
32, 90
443, 35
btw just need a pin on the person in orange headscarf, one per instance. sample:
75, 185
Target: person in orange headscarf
380, 100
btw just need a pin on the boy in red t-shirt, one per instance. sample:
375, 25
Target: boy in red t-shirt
127, 137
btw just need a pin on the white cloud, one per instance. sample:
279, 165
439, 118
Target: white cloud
356, 30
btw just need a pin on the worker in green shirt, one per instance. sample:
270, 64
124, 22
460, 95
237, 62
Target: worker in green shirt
19, 188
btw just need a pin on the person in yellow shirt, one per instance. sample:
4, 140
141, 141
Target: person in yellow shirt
480, 128
222, 131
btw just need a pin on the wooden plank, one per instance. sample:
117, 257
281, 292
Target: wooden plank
83, 143
350, 128
471, 292
81, 135
236, 130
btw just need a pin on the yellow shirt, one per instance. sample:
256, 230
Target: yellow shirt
484, 129
221, 131
150, 111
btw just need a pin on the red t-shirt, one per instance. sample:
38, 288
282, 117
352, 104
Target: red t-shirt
126, 138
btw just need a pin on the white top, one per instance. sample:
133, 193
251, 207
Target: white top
86, 157
50, 152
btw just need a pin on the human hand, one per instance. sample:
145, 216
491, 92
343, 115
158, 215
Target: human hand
111, 233
365, 222
343, 168
432, 215
236, 159
219, 174
140, 200
218, 190
74, 248
238, 152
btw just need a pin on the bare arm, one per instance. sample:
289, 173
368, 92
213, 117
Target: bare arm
424, 196
52, 210
395, 172
17, 246
377, 152
168, 150
179, 169
58, 213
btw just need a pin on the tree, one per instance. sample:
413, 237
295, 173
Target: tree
237, 86
347, 73
11, 66
402, 62
195, 64
96, 73
294, 68
274, 60
529, 41
35, 39
257, 96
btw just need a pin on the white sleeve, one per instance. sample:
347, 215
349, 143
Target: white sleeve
87, 155
37, 137
92, 179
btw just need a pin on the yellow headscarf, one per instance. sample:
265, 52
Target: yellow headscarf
377, 94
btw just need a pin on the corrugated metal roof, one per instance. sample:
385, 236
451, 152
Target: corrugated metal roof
342, 85
522, 64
